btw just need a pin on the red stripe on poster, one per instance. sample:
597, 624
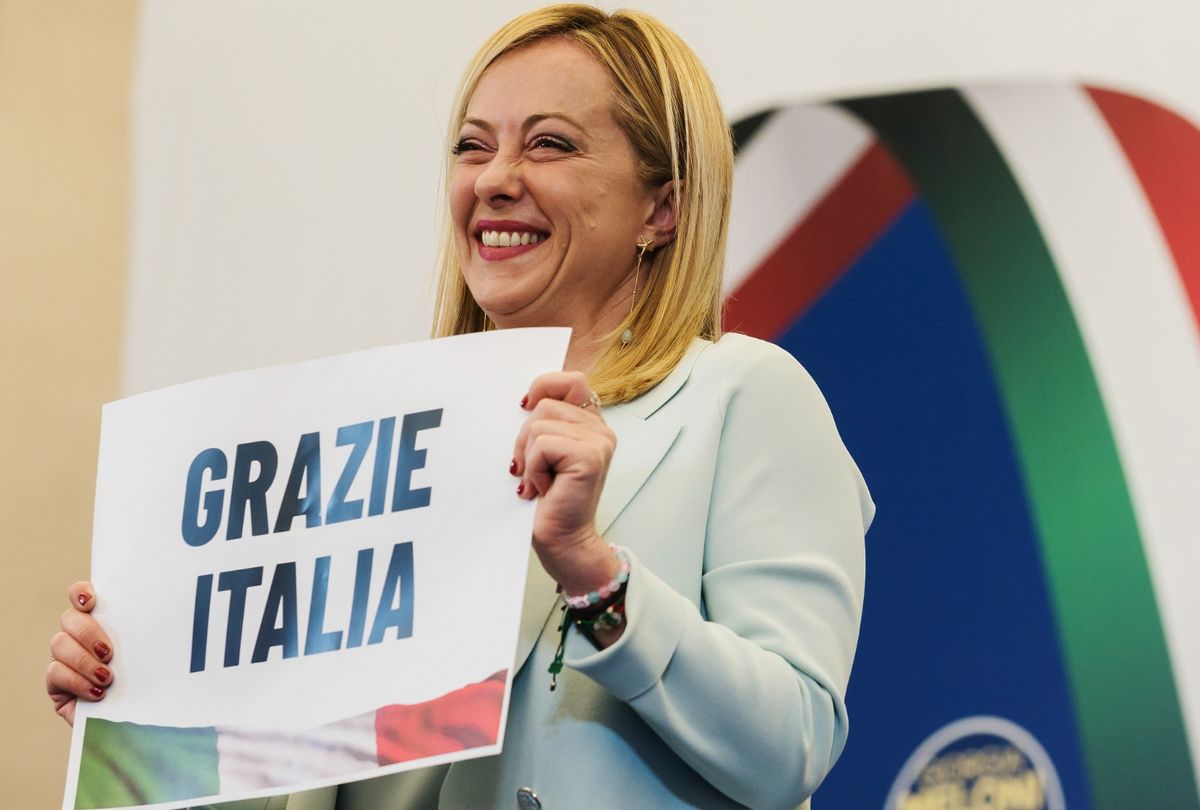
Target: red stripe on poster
821, 246
465, 718
1164, 150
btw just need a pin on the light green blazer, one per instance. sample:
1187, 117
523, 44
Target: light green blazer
744, 517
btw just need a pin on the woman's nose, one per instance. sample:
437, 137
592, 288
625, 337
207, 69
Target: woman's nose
500, 180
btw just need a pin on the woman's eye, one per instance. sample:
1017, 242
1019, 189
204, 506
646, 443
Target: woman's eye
465, 145
552, 142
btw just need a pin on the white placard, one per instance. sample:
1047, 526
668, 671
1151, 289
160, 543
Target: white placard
290, 563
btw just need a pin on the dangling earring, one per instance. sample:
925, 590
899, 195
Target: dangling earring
643, 245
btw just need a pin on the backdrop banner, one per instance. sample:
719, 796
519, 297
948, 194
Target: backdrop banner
288, 562
997, 288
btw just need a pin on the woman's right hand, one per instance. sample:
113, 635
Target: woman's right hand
80, 654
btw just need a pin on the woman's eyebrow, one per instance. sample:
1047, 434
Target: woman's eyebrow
539, 117
529, 122
478, 122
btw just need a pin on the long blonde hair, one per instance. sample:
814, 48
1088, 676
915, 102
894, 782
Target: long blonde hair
667, 105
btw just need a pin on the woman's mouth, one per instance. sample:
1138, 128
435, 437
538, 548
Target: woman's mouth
506, 240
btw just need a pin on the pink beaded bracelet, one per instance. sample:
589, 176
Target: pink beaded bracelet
593, 598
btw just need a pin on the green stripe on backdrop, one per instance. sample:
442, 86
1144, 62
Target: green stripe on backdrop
127, 764
1120, 673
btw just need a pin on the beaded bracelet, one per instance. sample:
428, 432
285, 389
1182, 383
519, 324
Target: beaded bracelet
607, 619
601, 595
610, 617
603, 608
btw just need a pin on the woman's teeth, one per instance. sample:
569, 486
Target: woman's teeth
505, 239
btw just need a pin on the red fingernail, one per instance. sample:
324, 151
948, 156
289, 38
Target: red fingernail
102, 674
521, 488
96, 692
524, 400
83, 599
512, 468
102, 650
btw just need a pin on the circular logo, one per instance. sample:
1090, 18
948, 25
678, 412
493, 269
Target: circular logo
978, 763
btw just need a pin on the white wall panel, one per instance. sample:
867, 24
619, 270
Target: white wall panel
287, 154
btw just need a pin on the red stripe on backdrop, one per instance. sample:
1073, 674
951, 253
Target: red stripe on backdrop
819, 247
1164, 151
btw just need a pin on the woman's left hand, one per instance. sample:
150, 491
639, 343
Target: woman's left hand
562, 455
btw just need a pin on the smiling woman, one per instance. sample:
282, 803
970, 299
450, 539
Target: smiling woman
591, 154
696, 508
547, 159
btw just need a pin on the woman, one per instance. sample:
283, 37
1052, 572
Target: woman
589, 185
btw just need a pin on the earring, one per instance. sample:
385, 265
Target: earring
643, 245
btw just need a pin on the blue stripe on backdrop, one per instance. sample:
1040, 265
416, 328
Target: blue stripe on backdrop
957, 620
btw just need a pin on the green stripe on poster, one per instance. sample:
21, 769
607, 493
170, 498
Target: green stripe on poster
1128, 711
128, 764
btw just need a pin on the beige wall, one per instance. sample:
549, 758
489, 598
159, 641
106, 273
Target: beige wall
64, 89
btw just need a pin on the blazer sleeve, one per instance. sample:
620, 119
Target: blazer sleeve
751, 695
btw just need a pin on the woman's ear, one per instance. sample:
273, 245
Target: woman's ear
660, 227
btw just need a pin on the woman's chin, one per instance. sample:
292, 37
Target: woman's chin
507, 304
505, 311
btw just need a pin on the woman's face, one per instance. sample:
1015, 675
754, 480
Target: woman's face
545, 193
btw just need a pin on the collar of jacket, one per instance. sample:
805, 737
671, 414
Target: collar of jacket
643, 443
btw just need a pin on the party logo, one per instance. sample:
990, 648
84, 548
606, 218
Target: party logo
978, 763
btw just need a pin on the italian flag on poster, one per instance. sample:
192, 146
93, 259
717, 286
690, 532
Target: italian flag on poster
126, 764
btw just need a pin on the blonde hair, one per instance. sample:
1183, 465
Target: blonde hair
667, 105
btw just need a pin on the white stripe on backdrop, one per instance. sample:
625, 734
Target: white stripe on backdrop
788, 167
1140, 335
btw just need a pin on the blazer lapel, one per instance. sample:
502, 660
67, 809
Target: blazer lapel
540, 598
641, 445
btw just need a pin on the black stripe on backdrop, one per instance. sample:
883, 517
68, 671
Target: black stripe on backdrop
744, 129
